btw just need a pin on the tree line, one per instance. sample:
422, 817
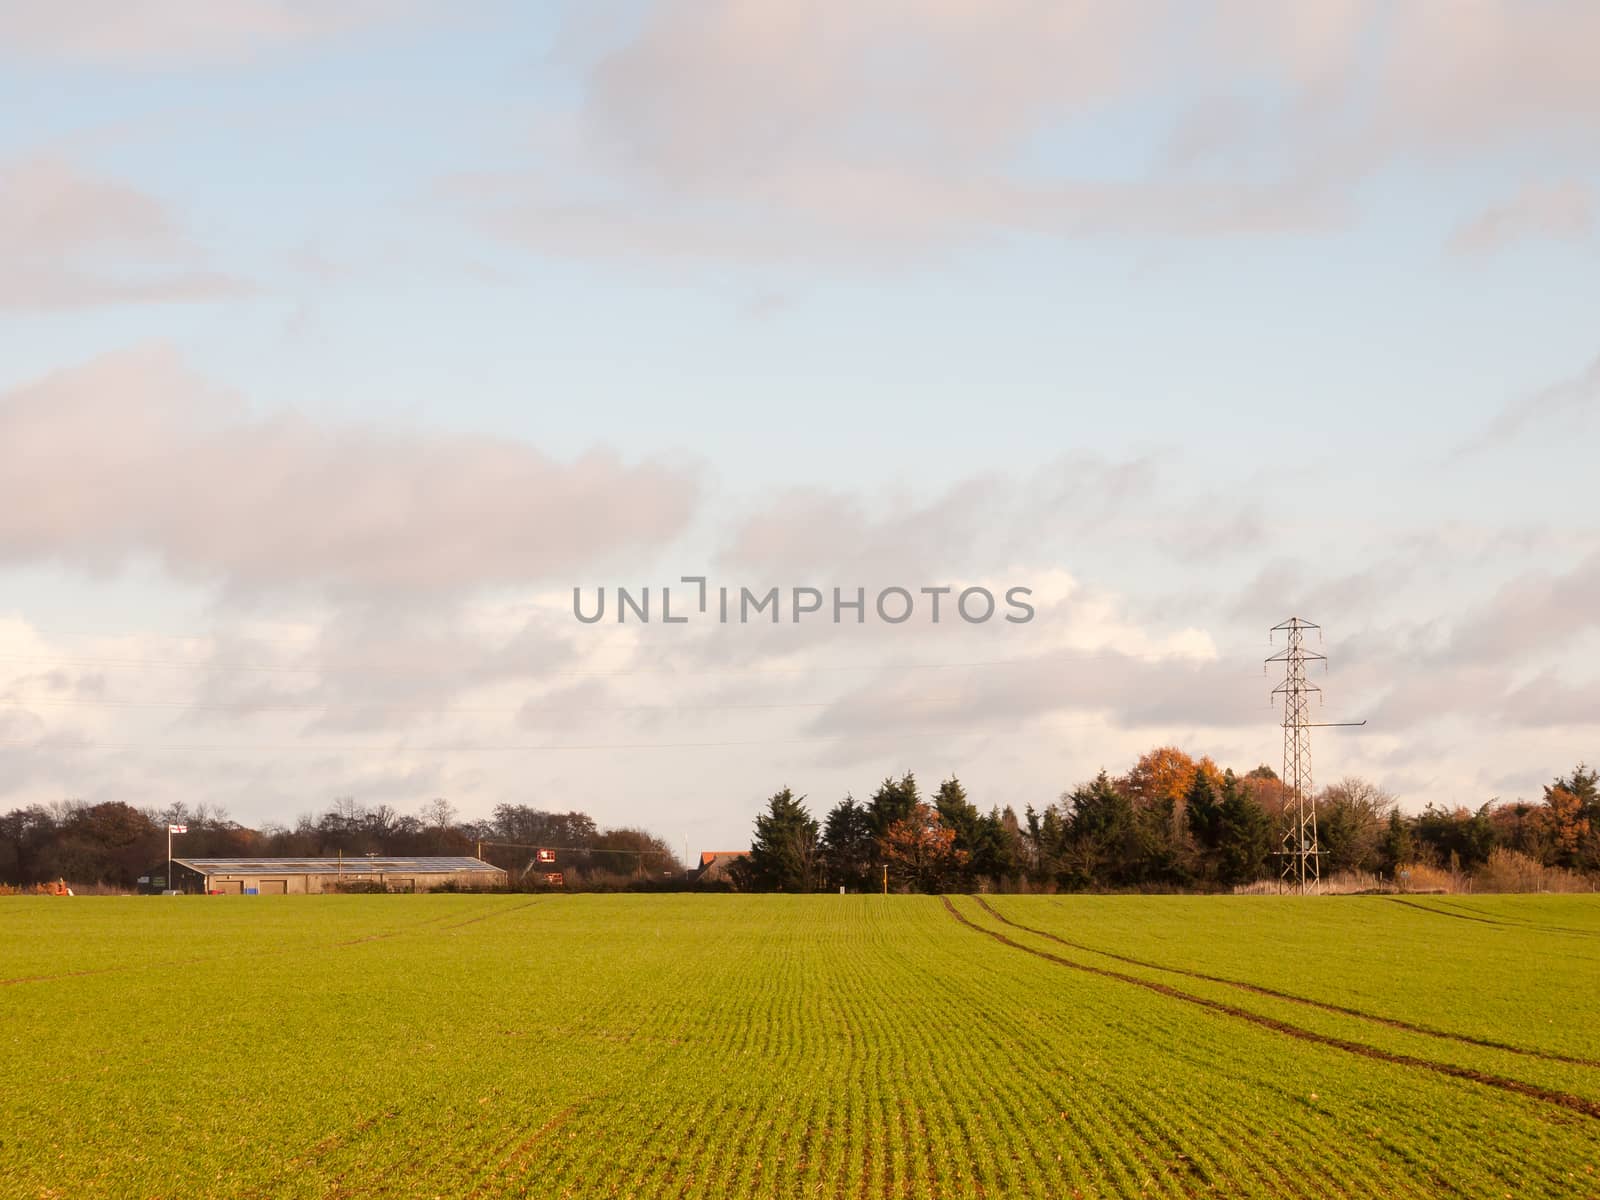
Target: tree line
1170, 823
113, 843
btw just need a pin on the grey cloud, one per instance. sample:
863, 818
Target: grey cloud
1132, 693
132, 455
1569, 406
811, 528
1288, 585
1421, 697
34, 760
991, 521
1560, 210
17, 723
747, 130
1550, 701
1537, 611
565, 707
879, 216
71, 240
423, 660
372, 666
164, 32
982, 75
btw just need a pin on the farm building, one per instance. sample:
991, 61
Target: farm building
308, 876
714, 865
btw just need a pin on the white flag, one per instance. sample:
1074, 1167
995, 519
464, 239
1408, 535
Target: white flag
177, 829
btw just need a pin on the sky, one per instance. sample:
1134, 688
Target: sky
340, 342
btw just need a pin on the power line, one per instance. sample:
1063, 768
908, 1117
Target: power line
245, 709
674, 669
512, 748
487, 748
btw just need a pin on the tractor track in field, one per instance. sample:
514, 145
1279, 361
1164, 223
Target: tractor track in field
1577, 1104
1479, 918
492, 1185
1327, 1006
1515, 922
393, 933
499, 912
73, 974
317, 1151
1439, 912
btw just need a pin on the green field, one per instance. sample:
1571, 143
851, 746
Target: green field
727, 1046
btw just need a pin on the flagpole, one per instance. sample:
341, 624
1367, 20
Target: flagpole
172, 829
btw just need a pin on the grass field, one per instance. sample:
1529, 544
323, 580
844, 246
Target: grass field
727, 1046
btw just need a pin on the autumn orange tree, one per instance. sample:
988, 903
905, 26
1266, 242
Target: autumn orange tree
1569, 826
1165, 773
920, 851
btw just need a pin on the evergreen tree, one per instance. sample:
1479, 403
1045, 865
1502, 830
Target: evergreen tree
1246, 840
1584, 783
1099, 837
1203, 815
961, 816
1456, 835
1033, 838
994, 847
849, 850
784, 852
1395, 850
1015, 856
894, 801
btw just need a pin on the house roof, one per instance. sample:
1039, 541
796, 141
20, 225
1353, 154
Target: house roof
356, 865
707, 857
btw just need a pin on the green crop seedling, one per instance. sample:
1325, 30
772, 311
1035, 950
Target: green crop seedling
801, 1046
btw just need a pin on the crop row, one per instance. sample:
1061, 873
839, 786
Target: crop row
725, 1046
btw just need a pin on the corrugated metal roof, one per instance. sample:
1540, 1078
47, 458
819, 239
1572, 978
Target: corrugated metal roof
356, 865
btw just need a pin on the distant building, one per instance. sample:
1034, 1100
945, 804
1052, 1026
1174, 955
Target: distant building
309, 876
714, 865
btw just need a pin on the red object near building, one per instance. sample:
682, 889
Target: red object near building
545, 856
554, 878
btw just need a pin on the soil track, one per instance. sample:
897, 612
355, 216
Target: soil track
1261, 990
1532, 926
1517, 922
493, 1184
1439, 912
1578, 1104
378, 937
499, 912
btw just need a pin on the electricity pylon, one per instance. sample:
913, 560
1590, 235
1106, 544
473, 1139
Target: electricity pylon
1299, 856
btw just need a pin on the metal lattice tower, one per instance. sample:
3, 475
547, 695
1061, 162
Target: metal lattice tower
1299, 855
